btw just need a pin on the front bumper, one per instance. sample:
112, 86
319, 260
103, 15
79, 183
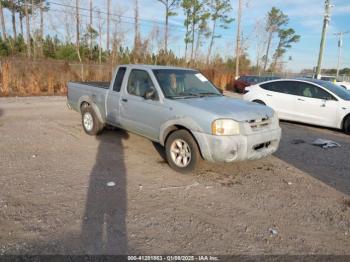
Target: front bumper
240, 147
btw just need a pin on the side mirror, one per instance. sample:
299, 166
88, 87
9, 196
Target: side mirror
149, 94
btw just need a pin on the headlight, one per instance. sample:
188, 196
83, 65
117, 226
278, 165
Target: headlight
225, 127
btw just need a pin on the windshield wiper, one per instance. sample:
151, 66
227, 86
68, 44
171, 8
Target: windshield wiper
192, 95
184, 96
188, 95
209, 93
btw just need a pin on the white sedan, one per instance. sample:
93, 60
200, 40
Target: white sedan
309, 101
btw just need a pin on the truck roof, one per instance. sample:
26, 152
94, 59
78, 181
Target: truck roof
155, 67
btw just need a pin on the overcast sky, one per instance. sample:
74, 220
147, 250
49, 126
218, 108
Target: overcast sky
306, 17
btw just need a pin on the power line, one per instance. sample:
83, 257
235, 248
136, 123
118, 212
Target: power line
96, 17
103, 18
117, 17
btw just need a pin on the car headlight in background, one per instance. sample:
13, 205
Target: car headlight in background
225, 127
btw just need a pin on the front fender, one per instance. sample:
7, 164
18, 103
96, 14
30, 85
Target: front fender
173, 124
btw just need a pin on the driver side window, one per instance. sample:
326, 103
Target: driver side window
139, 82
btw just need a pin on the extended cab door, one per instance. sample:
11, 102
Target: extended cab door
140, 115
113, 97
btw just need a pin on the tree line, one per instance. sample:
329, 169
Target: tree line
205, 22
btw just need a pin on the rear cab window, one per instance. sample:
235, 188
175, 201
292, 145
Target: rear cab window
119, 79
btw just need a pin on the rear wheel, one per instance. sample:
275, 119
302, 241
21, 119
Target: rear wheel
91, 124
259, 102
182, 152
347, 125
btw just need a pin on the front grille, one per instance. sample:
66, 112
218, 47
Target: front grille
259, 124
261, 146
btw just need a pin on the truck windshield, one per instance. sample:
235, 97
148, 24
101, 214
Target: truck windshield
177, 83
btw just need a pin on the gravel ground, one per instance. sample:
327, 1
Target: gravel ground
63, 192
331, 166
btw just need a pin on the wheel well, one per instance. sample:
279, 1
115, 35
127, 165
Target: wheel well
83, 104
343, 122
174, 128
259, 101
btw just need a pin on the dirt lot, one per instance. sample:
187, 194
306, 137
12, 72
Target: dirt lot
54, 197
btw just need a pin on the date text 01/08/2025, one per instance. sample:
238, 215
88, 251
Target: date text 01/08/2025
173, 258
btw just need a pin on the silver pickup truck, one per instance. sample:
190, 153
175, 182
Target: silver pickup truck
180, 109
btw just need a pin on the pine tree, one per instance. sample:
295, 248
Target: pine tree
220, 16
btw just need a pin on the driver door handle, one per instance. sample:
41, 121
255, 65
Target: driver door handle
124, 100
268, 95
301, 99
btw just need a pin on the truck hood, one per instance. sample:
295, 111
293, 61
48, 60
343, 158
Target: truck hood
226, 107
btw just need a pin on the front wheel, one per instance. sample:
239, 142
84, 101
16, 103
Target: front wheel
347, 125
182, 151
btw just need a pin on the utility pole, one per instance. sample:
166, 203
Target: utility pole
99, 37
3, 25
327, 18
137, 37
13, 11
77, 28
108, 19
41, 20
34, 40
27, 26
90, 29
238, 37
340, 46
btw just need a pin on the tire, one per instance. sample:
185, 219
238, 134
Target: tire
259, 102
347, 125
91, 124
188, 155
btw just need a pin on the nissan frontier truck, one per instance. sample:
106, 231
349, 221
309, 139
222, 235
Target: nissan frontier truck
180, 109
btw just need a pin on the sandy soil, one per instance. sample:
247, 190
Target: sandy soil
55, 198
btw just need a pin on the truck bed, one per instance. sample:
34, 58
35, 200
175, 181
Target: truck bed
89, 91
101, 84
